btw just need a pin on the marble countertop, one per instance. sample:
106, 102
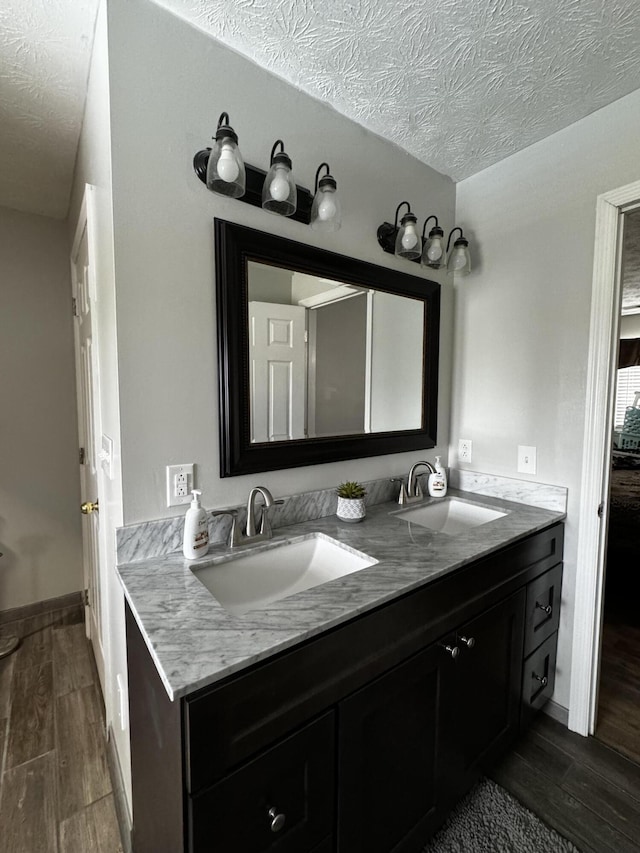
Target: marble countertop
195, 642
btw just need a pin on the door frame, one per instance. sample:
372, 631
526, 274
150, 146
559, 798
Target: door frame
596, 456
86, 222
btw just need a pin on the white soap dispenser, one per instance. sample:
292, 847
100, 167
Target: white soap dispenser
196, 529
437, 483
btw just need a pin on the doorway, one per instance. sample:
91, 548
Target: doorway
611, 208
618, 713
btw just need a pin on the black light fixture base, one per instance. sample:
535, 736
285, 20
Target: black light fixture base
387, 234
255, 182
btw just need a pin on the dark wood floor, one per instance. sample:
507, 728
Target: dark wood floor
580, 787
55, 788
619, 699
618, 721
56, 794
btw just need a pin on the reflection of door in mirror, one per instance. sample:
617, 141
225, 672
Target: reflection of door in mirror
331, 359
338, 367
277, 359
397, 384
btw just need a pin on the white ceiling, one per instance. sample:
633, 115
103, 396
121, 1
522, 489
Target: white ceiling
45, 47
460, 84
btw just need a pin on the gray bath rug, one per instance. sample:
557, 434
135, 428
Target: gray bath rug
490, 820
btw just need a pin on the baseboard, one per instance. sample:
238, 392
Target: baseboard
557, 712
119, 796
50, 605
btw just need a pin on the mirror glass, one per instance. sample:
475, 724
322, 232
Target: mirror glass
321, 357
329, 359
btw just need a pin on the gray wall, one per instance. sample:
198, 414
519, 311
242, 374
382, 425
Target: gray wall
522, 320
39, 475
164, 240
341, 345
269, 284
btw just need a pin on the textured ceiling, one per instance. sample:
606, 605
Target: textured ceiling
460, 84
45, 48
631, 264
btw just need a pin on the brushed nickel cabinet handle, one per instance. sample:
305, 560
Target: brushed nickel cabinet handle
541, 678
454, 651
546, 607
277, 820
469, 642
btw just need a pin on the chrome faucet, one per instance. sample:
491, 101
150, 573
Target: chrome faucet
250, 533
413, 492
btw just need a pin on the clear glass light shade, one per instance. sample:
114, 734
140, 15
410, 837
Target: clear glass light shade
326, 211
433, 252
408, 241
225, 169
459, 259
279, 193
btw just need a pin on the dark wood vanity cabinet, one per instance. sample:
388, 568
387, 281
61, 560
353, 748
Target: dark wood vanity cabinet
361, 739
486, 708
283, 800
413, 741
389, 756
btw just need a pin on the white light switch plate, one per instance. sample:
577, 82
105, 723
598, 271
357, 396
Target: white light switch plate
526, 459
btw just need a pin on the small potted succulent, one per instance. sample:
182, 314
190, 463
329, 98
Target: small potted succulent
351, 506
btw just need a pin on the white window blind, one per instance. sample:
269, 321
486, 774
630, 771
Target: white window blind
627, 386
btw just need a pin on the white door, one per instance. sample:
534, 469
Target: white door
277, 364
84, 297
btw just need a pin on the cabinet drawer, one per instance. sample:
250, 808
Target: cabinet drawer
538, 678
281, 801
543, 608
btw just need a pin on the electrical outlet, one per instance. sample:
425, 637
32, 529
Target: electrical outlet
526, 459
464, 450
179, 484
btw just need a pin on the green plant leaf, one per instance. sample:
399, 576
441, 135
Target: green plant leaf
351, 490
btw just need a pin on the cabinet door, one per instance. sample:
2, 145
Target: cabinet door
488, 682
281, 802
389, 756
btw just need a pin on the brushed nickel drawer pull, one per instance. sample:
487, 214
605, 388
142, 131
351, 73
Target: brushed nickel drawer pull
277, 820
454, 651
541, 678
469, 642
548, 609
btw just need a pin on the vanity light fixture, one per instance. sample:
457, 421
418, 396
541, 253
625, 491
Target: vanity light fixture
433, 252
223, 171
459, 259
225, 167
408, 243
279, 188
326, 211
403, 240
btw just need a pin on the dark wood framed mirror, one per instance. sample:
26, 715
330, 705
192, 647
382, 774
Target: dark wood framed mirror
322, 357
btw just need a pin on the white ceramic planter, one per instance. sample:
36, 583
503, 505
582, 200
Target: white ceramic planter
351, 509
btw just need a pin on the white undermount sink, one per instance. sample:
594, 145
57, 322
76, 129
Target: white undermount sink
251, 580
450, 516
